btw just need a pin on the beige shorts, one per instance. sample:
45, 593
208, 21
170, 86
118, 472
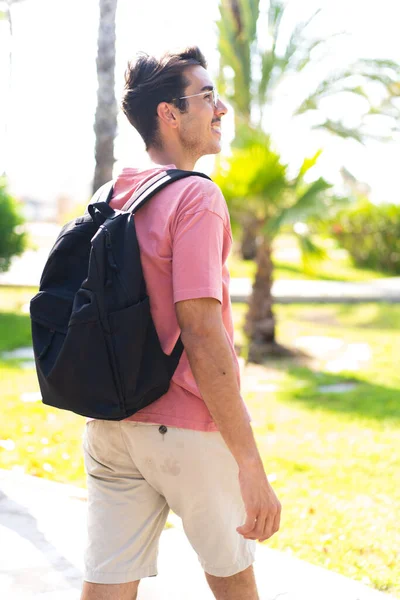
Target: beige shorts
136, 472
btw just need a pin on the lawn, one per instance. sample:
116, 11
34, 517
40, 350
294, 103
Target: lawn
333, 458
40, 440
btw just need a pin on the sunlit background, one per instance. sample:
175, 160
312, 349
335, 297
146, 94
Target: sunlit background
47, 108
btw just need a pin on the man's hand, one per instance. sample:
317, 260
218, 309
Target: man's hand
263, 508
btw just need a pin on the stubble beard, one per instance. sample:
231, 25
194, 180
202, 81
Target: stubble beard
196, 147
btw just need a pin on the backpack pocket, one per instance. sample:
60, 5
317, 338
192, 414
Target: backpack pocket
128, 329
74, 365
50, 315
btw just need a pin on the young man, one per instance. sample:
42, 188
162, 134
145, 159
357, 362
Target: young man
193, 449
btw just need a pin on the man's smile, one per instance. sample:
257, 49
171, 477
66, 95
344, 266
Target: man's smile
216, 126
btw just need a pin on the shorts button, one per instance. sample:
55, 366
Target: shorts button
163, 429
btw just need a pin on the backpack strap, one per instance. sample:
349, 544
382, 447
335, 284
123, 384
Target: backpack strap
140, 197
155, 184
101, 199
104, 193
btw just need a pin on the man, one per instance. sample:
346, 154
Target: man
193, 449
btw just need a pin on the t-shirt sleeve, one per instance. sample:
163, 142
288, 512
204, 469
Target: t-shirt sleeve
197, 249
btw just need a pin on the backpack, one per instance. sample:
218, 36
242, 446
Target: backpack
96, 348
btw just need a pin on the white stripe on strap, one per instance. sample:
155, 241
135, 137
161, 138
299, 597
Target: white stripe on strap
136, 199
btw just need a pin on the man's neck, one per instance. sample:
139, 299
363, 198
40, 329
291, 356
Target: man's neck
165, 157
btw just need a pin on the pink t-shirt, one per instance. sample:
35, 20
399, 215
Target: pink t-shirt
184, 237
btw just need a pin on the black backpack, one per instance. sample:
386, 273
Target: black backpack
96, 348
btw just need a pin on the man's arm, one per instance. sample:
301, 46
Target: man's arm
204, 338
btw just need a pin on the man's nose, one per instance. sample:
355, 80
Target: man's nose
221, 108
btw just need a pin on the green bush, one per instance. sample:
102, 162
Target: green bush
371, 235
12, 239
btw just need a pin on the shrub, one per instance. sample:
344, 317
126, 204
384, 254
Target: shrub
371, 235
12, 239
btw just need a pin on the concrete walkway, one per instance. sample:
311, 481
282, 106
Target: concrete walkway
290, 291
42, 533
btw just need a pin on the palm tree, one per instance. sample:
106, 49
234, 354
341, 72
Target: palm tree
254, 181
237, 33
254, 62
105, 125
257, 65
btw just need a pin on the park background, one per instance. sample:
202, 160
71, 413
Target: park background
323, 384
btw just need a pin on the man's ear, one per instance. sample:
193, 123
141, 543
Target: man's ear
166, 114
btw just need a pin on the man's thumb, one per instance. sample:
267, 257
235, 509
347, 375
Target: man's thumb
248, 525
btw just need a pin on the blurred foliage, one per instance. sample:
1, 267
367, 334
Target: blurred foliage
261, 196
237, 33
255, 183
258, 55
260, 58
12, 238
370, 233
337, 266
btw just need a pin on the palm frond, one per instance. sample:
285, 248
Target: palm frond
310, 251
250, 10
307, 203
269, 60
308, 163
268, 63
359, 134
337, 128
379, 64
353, 80
327, 87
237, 30
306, 52
253, 178
387, 108
296, 39
275, 15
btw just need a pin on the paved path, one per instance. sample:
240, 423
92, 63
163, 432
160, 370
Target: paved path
290, 291
42, 533
26, 270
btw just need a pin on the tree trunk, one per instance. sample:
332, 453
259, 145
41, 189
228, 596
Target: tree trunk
260, 320
105, 125
250, 225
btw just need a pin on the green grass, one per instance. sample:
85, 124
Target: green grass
288, 264
334, 459
15, 328
16, 299
43, 441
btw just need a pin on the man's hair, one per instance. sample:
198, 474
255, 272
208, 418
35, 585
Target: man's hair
149, 81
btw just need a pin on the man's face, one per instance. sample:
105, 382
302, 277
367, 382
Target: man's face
200, 125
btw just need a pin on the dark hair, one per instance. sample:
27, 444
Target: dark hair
149, 81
